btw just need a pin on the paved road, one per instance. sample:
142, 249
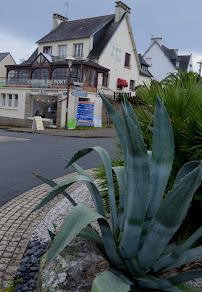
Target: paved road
41, 154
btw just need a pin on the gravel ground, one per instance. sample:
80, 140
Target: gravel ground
59, 212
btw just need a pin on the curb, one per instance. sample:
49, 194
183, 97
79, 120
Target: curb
17, 224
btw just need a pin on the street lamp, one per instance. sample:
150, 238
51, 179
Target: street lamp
70, 61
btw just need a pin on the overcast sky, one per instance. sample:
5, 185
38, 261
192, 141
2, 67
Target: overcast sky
178, 22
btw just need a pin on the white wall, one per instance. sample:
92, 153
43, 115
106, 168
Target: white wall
72, 106
12, 112
190, 66
161, 66
8, 60
113, 57
144, 79
87, 43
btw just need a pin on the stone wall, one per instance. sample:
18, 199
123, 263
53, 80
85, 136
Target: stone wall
104, 110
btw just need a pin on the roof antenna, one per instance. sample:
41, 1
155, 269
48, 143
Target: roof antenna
67, 4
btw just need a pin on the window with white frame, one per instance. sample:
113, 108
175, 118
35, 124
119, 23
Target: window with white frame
10, 100
47, 50
78, 50
62, 51
3, 99
15, 100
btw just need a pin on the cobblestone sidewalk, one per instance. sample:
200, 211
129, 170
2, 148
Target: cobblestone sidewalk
17, 224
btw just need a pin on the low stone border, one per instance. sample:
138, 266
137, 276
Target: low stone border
17, 224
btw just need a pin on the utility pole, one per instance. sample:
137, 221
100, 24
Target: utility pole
200, 66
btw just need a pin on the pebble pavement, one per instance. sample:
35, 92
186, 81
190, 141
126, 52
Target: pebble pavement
17, 225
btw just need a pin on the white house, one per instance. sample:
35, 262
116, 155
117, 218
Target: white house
105, 59
5, 59
163, 60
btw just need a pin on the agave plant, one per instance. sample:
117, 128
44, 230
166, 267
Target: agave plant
137, 242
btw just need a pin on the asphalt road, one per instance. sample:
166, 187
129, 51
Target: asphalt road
43, 155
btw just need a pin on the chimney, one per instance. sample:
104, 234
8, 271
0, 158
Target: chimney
57, 19
121, 8
176, 51
158, 40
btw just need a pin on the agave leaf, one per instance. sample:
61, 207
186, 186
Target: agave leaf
168, 218
151, 282
52, 184
131, 113
107, 281
108, 170
89, 233
137, 189
75, 221
118, 123
107, 237
59, 188
162, 157
120, 174
186, 169
186, 257
170, 258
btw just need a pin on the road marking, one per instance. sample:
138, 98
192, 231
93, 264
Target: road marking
11, 139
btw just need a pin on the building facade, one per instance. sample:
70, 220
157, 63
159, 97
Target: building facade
5, 59
105, 59
163, 60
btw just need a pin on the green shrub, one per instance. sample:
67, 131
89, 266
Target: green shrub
137, 242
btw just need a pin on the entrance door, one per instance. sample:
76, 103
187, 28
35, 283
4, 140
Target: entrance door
46, 107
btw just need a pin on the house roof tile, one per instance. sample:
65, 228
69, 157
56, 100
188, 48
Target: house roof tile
76, 29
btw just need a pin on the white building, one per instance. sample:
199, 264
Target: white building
5, 59
163, 60
105, 59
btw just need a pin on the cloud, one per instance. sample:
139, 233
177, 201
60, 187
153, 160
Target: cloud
18, 47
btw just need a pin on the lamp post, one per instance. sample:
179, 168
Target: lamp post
70, 61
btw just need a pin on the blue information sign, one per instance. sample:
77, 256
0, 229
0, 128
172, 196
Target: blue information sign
85, 112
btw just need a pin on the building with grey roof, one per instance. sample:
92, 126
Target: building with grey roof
163, 60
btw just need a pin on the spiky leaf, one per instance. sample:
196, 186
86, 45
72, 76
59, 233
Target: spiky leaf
75, 221
107, 281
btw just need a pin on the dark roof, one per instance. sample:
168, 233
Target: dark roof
3, 55
103, 39
171, 53
75, 29
184, 62
143, 62
33, 56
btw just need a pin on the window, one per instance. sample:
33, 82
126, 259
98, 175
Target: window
78, 50
105, 80
62, 51
47, 50
15, 100
3, 99
10, 100
40, 74
127, 60
132, 85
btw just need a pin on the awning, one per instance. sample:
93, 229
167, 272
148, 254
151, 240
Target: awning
122, 82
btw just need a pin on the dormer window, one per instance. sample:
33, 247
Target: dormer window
62, 51
47, 50
78, 50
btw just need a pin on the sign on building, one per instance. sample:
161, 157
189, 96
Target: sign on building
85, 111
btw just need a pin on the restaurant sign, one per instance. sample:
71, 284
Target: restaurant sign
47, 82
